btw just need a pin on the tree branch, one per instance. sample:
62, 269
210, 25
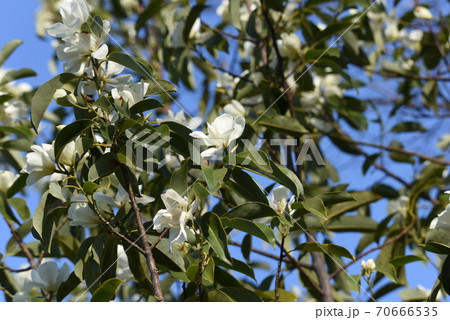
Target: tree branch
145, 244
22, 245
277, 276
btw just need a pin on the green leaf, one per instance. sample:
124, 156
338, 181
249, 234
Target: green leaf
335, 197
445, 274
238, 266
438, 241
313, 205
153, 7
362, 198
214, 233
255, 158
352, 224
16, 75
19, 131
250, 211
8, 49
70, 133
132, 64
402, 260
21, 207
399, 156
103, 167
160, 86
285, 296
354, 282
190, 20
408, 126
235, 14
18, 185
284, 125
106, 291
244, 185
214, 178
329, 248
6, 210
240, 294
90, 187
164, 258
67, 287
388, 270
178, 181
256, 229
44, 96
145, 105
370, 160
386, 191
413, 295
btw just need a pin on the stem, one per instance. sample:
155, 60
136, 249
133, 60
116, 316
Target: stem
147, 249
22, 245
322, 274
201, 269
277, 277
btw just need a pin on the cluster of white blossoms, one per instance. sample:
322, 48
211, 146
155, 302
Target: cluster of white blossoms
48, 278
13, 109
178, 212
368, 267
78, 46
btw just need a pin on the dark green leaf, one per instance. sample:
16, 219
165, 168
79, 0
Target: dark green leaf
8, 49
16, 75
250, 211
256, 229
214, 233
103, 167
44, 96
70, 133
106, 291
408, 126
67, 287
132, 64
329, 248
145, 105
190, 20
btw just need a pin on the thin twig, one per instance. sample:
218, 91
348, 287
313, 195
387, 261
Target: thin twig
161, 236
148, 252
407, 76
22, 245
277, 276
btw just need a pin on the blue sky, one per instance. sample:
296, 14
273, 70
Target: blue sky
17, 20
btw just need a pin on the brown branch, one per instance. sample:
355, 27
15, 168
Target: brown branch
322, 274
159, 238
22, 245
407, 76
229, 35
277, 276
394, 149
147, 249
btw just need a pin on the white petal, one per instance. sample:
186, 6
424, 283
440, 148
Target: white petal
101, 52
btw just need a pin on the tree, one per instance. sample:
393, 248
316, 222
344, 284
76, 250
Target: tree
150, 203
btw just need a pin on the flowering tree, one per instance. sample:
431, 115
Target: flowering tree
147, 202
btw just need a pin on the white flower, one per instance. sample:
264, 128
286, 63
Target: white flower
235, 108
411, 39
73, 13
180, 117
107, 73
176, 215
123, 197
324, 87
129, 95
399, 205
81, 213
40, 165
423, 13
13, 110
368, 266
82, 47
442, 221
279, 200
68, 154
7, 179
391, 32
49, 277
289, 45
221, 132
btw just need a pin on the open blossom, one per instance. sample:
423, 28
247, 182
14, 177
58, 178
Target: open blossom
108, 75
423, 13
40, 165
235, 108
192, 123
129, 95
49, 277
279, 200
73, 13
11, 111
324, 87
442, 221
368, 266
221, 132
7, 179
179, 210
77, 48
81, 214
289, 45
